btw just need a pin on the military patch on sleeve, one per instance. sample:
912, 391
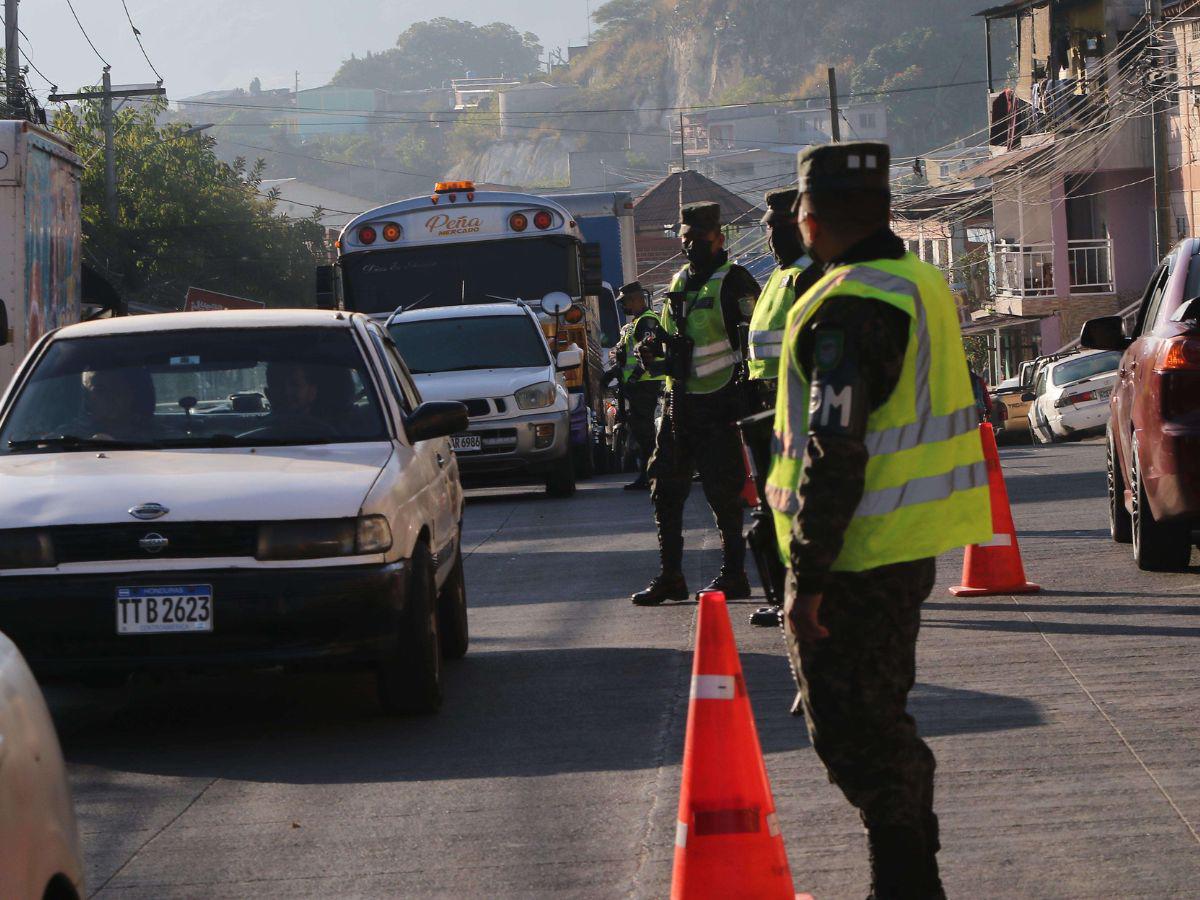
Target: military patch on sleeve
746, 305
828, 349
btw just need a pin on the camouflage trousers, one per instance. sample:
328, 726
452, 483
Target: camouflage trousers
854, 685
708, 443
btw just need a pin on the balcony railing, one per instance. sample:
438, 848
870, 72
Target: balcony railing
1091, 266
1025, 271
1028, 270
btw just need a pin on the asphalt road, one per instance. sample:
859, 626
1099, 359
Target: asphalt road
1065, 726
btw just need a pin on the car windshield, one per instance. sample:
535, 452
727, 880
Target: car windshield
1085, 367
472, 342
196, 388
467, 272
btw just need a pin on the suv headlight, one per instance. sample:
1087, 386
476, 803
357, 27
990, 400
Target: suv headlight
319, 538
27, 548
536, 396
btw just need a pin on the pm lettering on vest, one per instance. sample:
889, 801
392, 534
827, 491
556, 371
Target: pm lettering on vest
831, 407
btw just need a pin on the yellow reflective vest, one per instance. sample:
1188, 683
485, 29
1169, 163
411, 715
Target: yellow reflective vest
632, 374
926, 488
714, 358
766, 326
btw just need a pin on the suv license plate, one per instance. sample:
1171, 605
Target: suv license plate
164, 610
466, 443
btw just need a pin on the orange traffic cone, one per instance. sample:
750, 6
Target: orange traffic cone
749, 489
995, 567
727, 840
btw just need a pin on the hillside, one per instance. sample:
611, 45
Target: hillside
663, 53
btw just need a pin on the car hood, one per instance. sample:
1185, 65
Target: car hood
226, 484
479, 382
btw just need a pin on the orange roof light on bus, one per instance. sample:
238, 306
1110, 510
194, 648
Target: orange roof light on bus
451, 187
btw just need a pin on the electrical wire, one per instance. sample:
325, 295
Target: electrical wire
83, 31
137, 36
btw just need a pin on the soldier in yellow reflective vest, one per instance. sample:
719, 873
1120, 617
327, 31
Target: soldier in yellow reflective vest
640, 390
877, 469
701, 435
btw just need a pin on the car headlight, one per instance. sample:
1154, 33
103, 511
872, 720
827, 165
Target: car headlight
26, 548
536, 396
319, 538
374, 535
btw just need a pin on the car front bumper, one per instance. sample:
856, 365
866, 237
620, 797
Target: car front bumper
67, 625
509, 445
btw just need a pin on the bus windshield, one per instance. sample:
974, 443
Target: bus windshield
471, 272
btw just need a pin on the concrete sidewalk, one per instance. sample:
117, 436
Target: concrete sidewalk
1065, 724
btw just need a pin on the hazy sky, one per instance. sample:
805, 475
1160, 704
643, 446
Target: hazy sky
201, 45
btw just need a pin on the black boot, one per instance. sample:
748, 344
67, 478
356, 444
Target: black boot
641, 483
666, 586
733, 584
767, 617
899, 859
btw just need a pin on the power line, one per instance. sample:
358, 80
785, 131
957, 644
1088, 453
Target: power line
83, 31
137, 36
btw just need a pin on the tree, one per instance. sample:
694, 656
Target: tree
430, 53
184, 217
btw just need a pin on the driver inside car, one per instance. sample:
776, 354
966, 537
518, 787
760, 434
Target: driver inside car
118, 404
291, 390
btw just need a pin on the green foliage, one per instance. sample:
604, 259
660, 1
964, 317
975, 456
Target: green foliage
185, 217
430, 53
976, 348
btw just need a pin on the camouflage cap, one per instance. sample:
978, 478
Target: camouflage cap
634, 287
781, 206
859, 166
703, 217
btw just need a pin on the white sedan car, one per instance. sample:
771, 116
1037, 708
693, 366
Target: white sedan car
1070, 396
257, 488
39, 841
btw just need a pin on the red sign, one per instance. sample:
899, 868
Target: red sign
200, 300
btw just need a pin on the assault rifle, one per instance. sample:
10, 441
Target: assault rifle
679, 358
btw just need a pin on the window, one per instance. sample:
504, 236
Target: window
1085, 367
944, 170
866, 120
1153, 299
397, 372
221, 387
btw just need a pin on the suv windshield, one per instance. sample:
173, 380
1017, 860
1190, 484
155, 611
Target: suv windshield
1085, 367
196, 388
472, 342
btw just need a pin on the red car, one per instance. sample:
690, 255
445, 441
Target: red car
1154, 432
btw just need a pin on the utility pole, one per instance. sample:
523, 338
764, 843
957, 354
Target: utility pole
835, 125
105, 95
1162, 186
12, 60
682, 155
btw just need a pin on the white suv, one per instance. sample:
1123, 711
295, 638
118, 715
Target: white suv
494, 358
256, 488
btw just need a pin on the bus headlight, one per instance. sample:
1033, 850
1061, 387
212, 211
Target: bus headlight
536, 396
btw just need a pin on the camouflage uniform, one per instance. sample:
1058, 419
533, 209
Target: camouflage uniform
854, 684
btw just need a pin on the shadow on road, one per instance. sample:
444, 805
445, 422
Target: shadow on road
1056, 487
507, 714
1043, 627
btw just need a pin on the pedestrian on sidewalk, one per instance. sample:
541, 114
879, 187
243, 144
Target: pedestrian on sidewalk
878, 468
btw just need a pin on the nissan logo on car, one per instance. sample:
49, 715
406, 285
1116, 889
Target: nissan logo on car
153, 543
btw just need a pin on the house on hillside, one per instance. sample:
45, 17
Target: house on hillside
656, 221
1071, 169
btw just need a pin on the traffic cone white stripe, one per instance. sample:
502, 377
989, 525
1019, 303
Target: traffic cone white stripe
713, 687
999, 540
681, 834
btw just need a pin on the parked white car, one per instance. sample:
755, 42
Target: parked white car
495, 359
1071, 396
312, 519
39, 842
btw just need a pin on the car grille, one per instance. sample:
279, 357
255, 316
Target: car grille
478, 406
185, 540
497, 440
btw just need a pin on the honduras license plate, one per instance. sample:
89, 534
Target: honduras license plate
164, 610
466, 443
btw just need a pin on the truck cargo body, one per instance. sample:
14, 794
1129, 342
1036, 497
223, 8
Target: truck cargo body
606, 218
40, 238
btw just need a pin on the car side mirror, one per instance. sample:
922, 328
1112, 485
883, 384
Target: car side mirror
435, 419
1104, 333
1028, 397
570, 358
4, 338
